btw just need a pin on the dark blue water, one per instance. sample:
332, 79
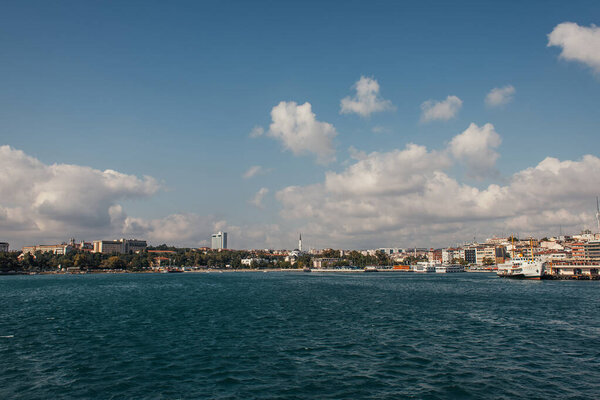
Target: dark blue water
294, 335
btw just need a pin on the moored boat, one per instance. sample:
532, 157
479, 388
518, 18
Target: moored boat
449, 268
425, 266
522, 268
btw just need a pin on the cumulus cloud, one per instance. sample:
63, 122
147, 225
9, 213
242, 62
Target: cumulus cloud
43, 199
193, 230
440, 110
46, 203
257, 200
387, 199
366, 100
298, 129
499, 96
475, 148
395, 172
578, 43
184, 229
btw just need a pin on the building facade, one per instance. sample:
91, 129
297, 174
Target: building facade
44, 248
3, 247
586, 251
119, 246
218, 241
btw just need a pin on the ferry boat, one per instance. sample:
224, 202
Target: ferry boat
446, 269
371, 269
425, 266
522, 268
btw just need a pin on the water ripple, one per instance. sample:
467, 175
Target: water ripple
296, 336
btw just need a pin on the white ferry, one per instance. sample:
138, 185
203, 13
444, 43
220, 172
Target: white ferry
446, 269
425, 266
522, 268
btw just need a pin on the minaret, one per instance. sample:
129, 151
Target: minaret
300, 243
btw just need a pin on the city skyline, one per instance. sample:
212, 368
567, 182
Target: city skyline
361, 127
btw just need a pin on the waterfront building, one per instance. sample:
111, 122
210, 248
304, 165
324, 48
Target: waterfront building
119, 246
108, 246
3, 247
495, 253
218, 241
133, 245
324, 262
434, 255
586, 251
469, 255
450, 254
45, 248
249, 262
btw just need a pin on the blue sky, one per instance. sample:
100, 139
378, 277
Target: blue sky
172, 91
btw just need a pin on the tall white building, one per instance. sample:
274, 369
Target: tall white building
218, 241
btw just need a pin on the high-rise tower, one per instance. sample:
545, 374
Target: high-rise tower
300, 243
219, 241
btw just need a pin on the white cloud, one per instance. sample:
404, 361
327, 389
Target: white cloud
183, 229
500, 96
253, 171
406, 197
475, 148
440, 110
578, 43
394, 172
297, 128
43, 201
366, 100
257, 131
193, 230
257, 200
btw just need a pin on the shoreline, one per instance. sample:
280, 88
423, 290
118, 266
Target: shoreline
217, 271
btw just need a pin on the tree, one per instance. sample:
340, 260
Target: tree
382, 258
460, 261
113, 262
330, 253
80, 261
9, 262
488, 261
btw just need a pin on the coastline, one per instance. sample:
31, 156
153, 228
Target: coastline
218, 271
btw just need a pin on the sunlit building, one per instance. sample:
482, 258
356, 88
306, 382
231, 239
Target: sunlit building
218, 241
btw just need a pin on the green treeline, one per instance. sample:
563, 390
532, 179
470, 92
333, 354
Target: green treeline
178, 257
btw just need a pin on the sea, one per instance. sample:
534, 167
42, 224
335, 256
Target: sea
294, 335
